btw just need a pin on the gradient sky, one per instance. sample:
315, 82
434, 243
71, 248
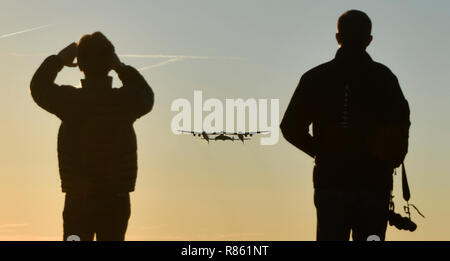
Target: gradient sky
186, 189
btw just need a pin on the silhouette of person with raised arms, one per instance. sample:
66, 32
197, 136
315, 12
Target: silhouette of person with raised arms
97, 149
360, 125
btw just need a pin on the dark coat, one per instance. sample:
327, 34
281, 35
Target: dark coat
96, 141
360, 122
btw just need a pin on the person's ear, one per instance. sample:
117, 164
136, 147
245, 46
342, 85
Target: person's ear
369, 40
339, 39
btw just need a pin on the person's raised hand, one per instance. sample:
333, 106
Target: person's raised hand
68, 54
115, 63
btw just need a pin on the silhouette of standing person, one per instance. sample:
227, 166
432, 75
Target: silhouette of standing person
97, 150
360, 125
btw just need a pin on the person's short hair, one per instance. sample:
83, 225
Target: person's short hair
354, 23
95, 54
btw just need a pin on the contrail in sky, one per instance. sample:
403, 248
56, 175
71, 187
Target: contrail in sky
160, 64
24, 31
173, 58
178, 56
170, 58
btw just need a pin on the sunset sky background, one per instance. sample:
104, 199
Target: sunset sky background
187, 189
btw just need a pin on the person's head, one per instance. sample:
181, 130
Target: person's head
95, 55
354, 30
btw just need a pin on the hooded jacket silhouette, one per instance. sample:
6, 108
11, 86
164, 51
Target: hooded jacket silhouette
97, 148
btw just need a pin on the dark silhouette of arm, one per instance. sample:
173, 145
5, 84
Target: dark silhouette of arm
48, 95
298, 117
400, 114
137, 95
390, 142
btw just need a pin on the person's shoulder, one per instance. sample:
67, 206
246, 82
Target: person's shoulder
77, 92
383, 69
70, 88
319, 71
